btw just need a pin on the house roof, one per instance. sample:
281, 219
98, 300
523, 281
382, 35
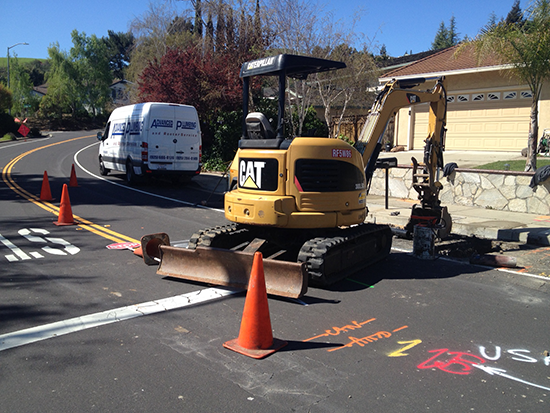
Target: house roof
120, 82
392, 63
446, 61
42, 89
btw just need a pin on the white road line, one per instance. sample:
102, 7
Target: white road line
135, 189
16, 250
500, 372
44, 332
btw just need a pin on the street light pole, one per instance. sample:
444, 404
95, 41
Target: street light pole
11, 47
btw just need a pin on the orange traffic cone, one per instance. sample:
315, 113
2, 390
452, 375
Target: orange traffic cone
72, 181
139, 252
65, 211
45, 192
256, 337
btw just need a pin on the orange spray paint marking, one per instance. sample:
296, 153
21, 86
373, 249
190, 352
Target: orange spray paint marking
366, 340
337, 330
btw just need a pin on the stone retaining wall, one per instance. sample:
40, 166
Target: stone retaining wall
500, 190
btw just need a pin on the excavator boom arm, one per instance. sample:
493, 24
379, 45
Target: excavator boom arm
395, 95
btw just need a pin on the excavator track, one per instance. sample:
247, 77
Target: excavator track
328, 259
222, 236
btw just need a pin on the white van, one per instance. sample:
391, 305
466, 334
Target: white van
152, 139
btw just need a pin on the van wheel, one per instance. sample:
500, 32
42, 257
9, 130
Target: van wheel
131, 177
102, 170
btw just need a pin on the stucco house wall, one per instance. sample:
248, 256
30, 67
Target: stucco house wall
488, 109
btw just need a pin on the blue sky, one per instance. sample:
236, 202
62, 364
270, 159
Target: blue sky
402, 25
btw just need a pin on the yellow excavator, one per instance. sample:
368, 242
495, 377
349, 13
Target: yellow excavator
302, 201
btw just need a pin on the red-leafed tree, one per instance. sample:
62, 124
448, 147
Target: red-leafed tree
189, 76
208, 82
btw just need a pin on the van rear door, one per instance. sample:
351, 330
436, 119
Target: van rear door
187, 142
174, 138
161, 131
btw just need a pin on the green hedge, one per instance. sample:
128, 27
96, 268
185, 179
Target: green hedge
7, 124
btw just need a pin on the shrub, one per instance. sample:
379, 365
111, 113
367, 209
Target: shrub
6, 98
8, 137
313, 126
7, 124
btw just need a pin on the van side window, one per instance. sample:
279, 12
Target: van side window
106, 132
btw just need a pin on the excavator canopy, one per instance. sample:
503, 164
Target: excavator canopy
282, 66
298, 67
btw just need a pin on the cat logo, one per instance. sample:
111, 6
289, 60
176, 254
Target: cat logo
250, 174
260, 174
413, 98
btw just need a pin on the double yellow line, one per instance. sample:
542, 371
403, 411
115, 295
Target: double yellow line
82, 222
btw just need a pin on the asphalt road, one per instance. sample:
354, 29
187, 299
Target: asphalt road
85, 328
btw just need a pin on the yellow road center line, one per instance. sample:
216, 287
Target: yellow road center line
82, 222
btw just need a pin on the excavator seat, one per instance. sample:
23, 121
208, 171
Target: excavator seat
259, 133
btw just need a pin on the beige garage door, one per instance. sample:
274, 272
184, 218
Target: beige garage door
482, 124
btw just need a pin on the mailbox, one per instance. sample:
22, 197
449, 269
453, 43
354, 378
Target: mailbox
386, 163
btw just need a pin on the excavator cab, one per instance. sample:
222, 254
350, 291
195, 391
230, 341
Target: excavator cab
258, 127
257, 131
281, 67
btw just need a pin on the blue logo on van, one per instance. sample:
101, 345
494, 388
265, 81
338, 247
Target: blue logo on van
185, 125
118, 128
162, 123
134, 127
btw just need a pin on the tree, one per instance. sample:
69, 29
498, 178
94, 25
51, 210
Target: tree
342, 86
302, 27
209, 38
295, 26
514, 15
440, 40
383, 55
78, 80
198, 18
220, 30
119, 46
89, 57
207, 81
21, 87
452, 33
5, 98
153, 33
62, 95
37, 71
525, 48
446, 37
491, 23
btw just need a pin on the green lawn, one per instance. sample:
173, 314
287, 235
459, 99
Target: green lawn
513, 165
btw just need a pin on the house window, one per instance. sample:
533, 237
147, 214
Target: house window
493, 96
510, 95
478, 97
526, 94
463, 98
450, 99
